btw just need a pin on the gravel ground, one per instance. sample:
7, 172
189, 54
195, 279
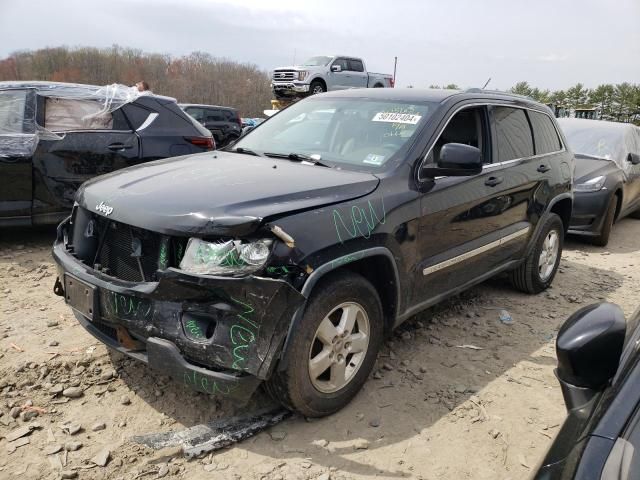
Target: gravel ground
431, 409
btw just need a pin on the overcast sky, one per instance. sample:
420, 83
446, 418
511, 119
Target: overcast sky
550, 43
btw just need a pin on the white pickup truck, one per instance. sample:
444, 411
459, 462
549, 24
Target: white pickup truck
324, 73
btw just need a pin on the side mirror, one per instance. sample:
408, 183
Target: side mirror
589, 347
336, 68
634, 158
456, 160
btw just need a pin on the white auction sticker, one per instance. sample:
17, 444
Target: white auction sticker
393, 117
374, 159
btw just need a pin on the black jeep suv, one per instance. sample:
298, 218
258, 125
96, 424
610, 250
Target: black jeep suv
285, 258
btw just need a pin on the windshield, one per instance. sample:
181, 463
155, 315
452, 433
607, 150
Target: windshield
356, 133
317, 61
613, 141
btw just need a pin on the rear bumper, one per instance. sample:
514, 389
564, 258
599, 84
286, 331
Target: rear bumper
589, 210
218, 335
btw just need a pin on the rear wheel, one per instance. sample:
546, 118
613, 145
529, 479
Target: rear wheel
602, 239
333, 348
541, 264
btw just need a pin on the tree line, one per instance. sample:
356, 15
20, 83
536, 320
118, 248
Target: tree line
619, 102
195, 78
202, 78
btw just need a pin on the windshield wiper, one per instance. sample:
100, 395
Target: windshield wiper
299, 157
246, 151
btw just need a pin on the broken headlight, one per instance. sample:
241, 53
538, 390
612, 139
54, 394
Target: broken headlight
231, 257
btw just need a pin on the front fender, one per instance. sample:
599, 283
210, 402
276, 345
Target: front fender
330, 266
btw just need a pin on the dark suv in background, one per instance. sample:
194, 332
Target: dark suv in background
285, 258
55, 136
224, 123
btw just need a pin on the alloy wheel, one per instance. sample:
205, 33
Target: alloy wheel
548, 255
339, 347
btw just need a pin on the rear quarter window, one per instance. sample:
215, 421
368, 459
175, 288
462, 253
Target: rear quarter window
513, 133
545, 135
136, 114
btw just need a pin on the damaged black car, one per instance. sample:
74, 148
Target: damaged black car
284, 259
55, 136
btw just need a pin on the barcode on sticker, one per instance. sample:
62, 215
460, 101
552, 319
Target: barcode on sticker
392, 117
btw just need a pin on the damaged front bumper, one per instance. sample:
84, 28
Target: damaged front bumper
289, 88
219, 335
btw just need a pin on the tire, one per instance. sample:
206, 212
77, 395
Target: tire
635, 214
602, 239
293, 384
531, 277
317, 87
378, 85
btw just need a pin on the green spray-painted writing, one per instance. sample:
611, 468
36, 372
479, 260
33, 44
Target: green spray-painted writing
194, 329
243, 334
126, 306
360, 222
205, 384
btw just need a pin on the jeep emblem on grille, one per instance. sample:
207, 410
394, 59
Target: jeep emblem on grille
104, 208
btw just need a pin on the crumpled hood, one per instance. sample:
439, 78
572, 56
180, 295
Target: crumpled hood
217, 193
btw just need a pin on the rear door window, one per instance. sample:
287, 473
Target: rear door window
214, 115
356, 65
65, 115
513, 133
195, 112
545, 135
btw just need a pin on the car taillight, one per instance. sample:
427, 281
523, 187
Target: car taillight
392, 82
202, 142
239, 119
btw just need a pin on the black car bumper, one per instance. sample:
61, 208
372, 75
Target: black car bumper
218, 335
589, 210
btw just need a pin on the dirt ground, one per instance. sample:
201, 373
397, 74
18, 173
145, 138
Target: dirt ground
431, 410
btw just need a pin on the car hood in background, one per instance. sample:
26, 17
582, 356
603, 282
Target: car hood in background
589, 167
217, 193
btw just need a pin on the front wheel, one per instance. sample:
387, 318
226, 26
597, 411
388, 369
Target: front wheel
333, 348
541, 264
317, 87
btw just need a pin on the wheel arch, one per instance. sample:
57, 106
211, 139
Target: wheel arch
376, 264
563, 207
319, 79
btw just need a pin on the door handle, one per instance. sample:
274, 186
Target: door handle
543, 168
118, 146
493, 181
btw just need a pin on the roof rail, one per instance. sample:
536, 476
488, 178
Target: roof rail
499, 92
